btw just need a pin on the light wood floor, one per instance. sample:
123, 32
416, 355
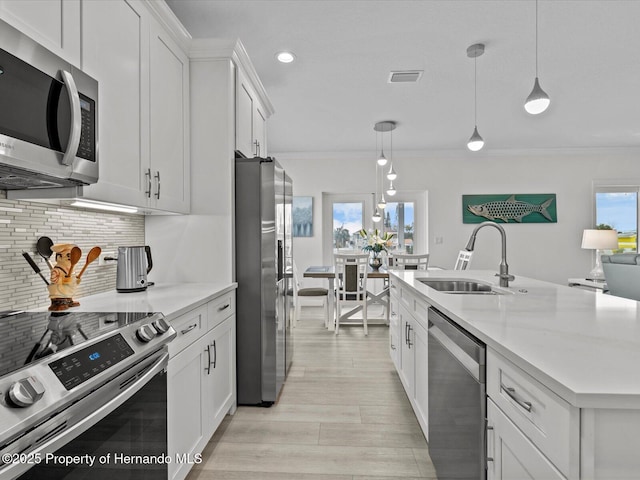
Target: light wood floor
342, 415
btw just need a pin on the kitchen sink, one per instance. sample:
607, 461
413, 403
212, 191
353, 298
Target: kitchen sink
455, 286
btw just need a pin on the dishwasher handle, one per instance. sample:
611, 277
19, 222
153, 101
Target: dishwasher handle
461, 345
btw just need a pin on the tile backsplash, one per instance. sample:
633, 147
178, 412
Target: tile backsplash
22, 223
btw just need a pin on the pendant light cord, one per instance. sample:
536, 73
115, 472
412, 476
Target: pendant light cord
475, 91
536, 38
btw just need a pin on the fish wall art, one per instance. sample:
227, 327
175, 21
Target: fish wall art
510, 208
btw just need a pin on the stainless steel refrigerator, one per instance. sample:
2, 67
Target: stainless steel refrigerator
263, 250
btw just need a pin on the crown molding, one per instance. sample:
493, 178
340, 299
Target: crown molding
207, 49
170, 22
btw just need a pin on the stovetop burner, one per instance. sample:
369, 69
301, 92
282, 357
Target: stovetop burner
28, 336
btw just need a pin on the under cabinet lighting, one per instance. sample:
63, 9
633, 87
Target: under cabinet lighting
103, 206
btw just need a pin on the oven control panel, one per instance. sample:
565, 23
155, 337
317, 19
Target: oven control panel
84, 364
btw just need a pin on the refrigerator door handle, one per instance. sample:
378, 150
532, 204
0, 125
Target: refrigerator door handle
280, 261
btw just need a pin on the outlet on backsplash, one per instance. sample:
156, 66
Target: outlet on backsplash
107, 258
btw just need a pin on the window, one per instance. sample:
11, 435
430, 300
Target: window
399, 218
347, 222
343, 215
618, 207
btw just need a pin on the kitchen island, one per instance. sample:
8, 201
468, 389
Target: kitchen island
572, 354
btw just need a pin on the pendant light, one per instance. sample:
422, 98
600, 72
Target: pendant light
383, 127
382, 203
376, 217
476, 142
382, 160
391, 191
392, 175
538, 100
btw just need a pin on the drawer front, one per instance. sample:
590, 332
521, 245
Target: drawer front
220, 308
417, 308
190, 327
548, 421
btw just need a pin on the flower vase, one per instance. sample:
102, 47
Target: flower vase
375, 261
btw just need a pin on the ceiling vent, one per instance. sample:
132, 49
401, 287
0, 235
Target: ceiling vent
405, 76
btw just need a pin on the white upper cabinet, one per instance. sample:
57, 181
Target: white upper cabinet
115, 60
168, 123
252, 112
53, 23
136, 50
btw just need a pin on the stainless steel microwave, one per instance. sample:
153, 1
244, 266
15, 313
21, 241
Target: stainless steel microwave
48, 117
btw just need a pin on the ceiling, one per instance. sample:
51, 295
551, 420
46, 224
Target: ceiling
329, 99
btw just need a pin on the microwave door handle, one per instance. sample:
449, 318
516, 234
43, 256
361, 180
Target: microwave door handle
76, 118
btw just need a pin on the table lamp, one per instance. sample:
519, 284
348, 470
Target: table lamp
599, 240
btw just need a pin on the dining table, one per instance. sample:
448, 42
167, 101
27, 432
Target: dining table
328, 272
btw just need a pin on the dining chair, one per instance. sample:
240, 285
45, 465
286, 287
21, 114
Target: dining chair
464, 257
410, 261
351, 286
308, 292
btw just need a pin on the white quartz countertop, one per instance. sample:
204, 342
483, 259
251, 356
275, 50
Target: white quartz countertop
583, 345
172, 300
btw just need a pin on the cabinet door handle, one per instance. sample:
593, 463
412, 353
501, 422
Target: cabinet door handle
409, 336
511, 392
188, 329
215, 354
157, 177
224, 307
208, 369
393, 314
148, 190
490, 442
406, 333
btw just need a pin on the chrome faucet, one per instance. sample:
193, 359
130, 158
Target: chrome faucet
504, 268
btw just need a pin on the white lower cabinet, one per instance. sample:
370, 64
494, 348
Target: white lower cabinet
412, 352
185, 415
200, 382
511, 455
421, 389
407, 352
219, 382
394, 326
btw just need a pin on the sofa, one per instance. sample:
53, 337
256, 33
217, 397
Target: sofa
622, 273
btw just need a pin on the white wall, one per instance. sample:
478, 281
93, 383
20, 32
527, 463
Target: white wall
544, 251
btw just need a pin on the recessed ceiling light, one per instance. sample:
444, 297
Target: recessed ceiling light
285, 57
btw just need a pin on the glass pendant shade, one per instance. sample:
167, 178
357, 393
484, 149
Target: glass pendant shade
392, 175
391, 191
382, 160
376, 216
537, 101
382, 203
476, 142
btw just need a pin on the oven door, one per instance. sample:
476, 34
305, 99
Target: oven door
126, 437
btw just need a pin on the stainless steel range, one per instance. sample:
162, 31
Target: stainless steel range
84, 386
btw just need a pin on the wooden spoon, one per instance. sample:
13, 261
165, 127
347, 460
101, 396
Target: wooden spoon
74, 256
91, 256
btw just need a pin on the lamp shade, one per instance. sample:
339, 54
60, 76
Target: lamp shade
600, 239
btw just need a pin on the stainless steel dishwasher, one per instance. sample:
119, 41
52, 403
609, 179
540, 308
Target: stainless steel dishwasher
457, 400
